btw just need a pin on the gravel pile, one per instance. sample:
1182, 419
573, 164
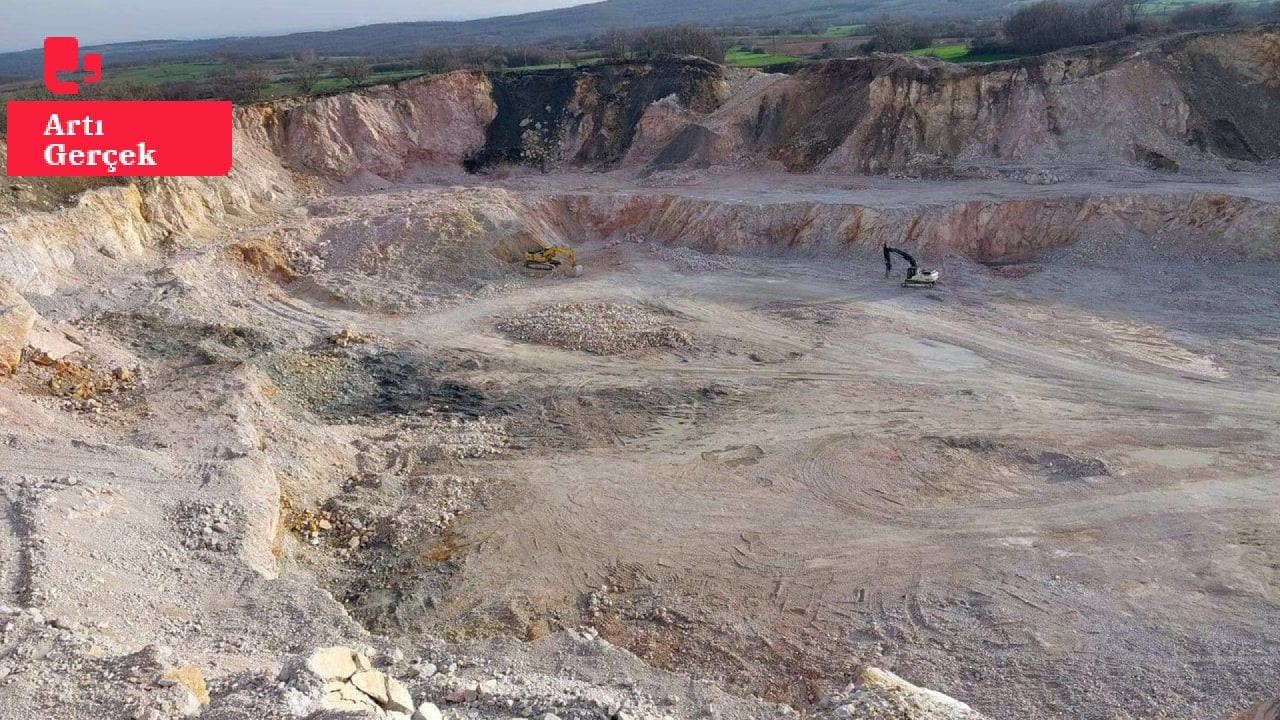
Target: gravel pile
690, 260
457, 438
437, 500
602, 328
208, 526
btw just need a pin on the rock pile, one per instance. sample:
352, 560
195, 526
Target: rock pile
437, 501
339, 678
457, 438
209, 526
473, 692
1040, 177
602, 328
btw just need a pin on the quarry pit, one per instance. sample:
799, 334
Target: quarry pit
720, 472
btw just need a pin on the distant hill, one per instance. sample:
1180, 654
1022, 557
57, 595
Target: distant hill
566, 24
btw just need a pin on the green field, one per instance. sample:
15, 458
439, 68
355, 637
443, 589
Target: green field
164, 73
840, 31
960, 53
554, 66
286, 87
987, 57
952, 52
742, 57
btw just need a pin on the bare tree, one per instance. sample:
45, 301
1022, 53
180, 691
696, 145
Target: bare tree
241, 81
306, 72
680, 40
354, 70
615, 44
1053, 24
813, 26
438, 60
895, 36
1204, 16
1133, 10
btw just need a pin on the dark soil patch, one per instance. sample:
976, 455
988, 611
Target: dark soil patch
397, 590
339, 386
607, 417
691, 148
1232, 115
161, 339
1054, 465
600, 106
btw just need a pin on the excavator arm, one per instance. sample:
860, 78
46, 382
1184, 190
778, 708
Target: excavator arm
915, 276
888, 260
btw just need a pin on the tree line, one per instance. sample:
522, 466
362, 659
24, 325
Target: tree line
1050, 25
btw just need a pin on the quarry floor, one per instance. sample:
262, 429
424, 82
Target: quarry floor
1047, 488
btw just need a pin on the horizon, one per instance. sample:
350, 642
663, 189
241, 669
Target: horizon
95, 23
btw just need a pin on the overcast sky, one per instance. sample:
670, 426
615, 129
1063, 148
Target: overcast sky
25, 23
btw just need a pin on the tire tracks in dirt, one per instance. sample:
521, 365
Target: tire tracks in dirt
15, 555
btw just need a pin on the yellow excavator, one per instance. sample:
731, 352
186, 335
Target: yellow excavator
550, 258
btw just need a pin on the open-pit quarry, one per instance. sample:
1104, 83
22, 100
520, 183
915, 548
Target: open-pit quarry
312, 440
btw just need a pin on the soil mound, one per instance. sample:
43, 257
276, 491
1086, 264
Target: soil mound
601, 328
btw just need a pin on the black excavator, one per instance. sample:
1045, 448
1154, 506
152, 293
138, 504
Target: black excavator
915, 276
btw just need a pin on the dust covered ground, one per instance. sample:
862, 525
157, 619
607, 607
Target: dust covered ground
1047, 487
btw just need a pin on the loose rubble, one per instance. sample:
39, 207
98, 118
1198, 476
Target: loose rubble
209, 526
602, 328
339, 678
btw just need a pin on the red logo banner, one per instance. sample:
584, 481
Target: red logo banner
121, 138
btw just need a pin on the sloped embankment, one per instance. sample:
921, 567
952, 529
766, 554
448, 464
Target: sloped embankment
588, 117
983, 229
1190, 101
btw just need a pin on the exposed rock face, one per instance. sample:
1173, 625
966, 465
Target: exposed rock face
387, 131
589, 117
982, 229
16, 321
116, 223
1184, 102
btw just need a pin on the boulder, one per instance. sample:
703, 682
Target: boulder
398, 697
371, 683
428, 711
334, 663
190, 677
342, 679
52, 342
348, 698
